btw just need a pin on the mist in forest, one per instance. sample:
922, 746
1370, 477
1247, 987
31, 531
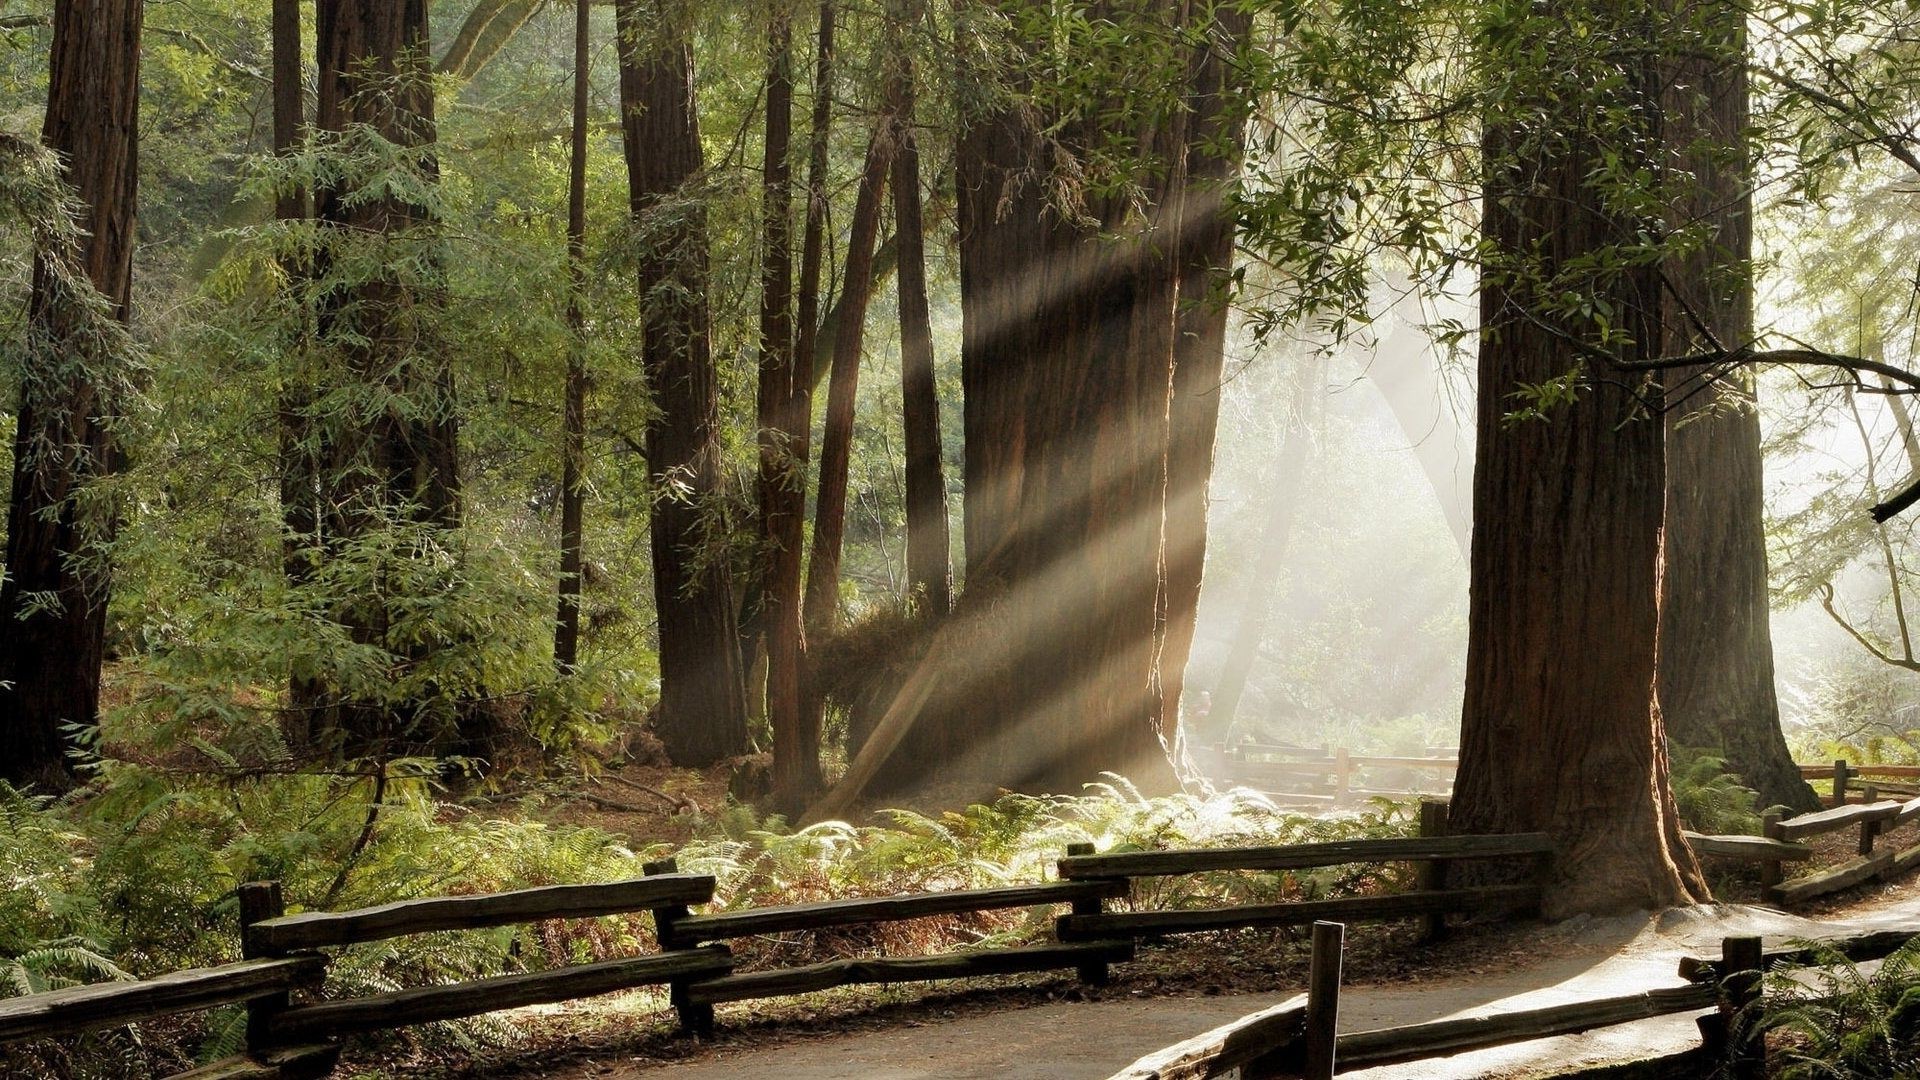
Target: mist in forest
1338, 527
1337, 538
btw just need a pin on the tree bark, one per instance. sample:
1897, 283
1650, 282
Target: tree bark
573, 437
785, 405
929, 574
1716, 644
53, 604
1206, 270
1560, 730
299, 467
702, 716
836, 436
395, 461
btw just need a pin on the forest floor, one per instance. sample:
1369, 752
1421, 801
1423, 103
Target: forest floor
1049, 1026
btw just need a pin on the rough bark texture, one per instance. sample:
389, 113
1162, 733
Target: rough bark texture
1200, 350
1067, 365
702, 716
53, 605
1560, 730
1050, 671
929, 574
1716, 645
394, 457
784, 405
573, 436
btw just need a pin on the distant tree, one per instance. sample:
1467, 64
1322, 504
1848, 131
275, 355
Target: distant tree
1071, 205
702, 716
299, 467
929, 574
822, 602
573, 448
1716, 686
784, 408
53, 604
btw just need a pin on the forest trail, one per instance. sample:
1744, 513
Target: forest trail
1582, 959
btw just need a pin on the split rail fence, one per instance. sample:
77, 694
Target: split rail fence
1300, 1037
1309, 776
293, 1030
1855, 803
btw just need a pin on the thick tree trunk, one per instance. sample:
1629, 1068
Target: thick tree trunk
573, 436
929, 573
703, 712
1560, 729
395, 462
1200, 349
53, 604
1716, 644
785, 402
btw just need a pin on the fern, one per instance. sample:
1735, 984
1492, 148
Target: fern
1711, 799
1839, 1022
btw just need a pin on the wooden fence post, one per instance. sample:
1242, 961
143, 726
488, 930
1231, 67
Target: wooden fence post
1092, 972
1869, 829
696, 1019
1323, 998
1342, 776
1771, 873
1840, 772
259, 901
1741, 962
1433, 872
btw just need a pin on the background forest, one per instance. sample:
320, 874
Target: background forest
887, 402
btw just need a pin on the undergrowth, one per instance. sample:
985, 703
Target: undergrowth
1838, 1021
135, 875
1710, 798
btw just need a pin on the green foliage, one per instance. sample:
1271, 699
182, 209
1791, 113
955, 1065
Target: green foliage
139, 880
1841, 1023
1711, 799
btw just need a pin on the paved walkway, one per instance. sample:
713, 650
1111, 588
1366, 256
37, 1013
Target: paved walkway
1092, 1040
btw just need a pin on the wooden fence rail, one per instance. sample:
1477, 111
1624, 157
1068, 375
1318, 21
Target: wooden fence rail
1783, 841
1317, 775
294, 1040
1282, 1041
289, 1039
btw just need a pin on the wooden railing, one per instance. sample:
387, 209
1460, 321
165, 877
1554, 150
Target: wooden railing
1782, 839
1847, 780
1299, 1037
289, 1038
1331, 777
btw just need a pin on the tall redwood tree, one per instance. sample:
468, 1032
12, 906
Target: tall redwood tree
53, 604
1560, 731
1716, 643
390, 458
703, 715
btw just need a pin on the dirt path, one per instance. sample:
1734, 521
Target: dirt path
1579, 959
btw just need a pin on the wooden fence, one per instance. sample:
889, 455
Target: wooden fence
1861, 807
1300, 1037
292, 1038
1309, 776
